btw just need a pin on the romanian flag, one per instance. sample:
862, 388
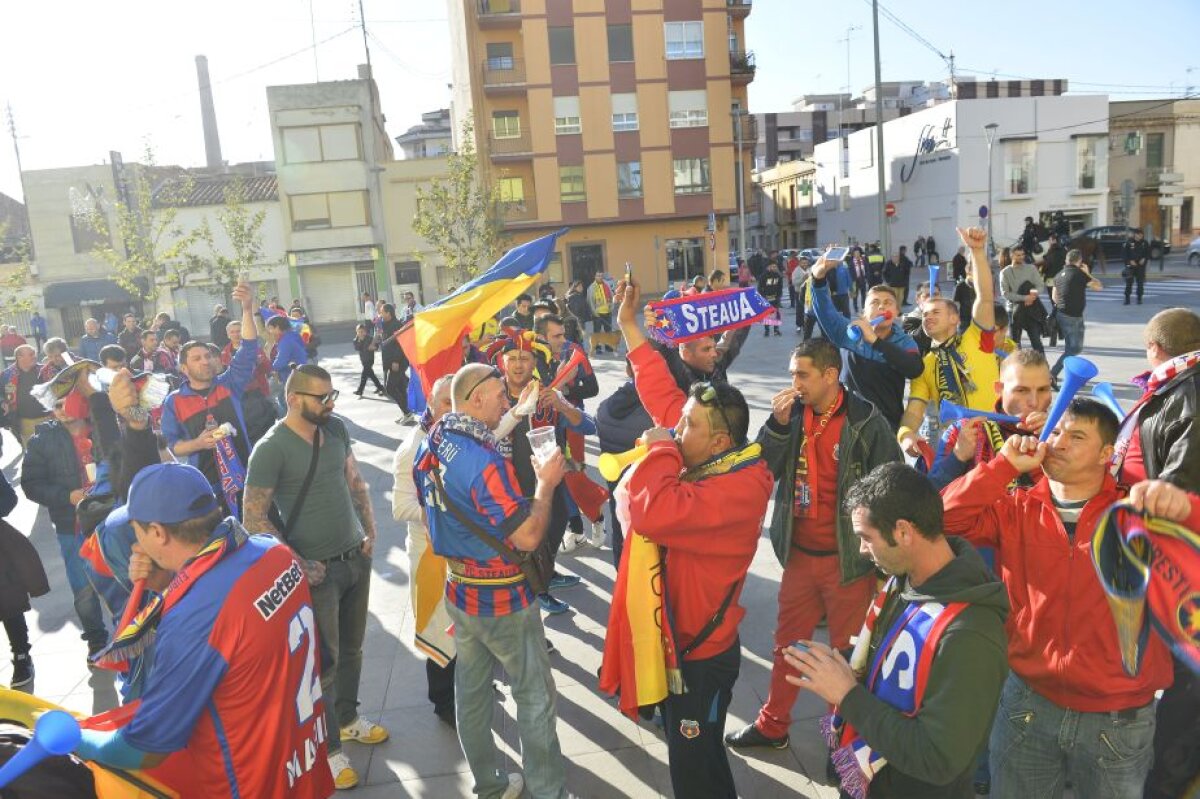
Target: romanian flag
433, 339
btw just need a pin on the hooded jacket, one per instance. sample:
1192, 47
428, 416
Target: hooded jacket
1061, 638
932, 754
621, 419
866, 442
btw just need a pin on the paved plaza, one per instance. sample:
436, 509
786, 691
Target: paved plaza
608, 755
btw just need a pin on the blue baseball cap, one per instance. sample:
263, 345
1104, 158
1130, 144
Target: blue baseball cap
167, 493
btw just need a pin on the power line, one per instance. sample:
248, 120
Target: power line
404, 66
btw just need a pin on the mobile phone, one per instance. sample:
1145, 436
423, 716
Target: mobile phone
836, 254
628, 272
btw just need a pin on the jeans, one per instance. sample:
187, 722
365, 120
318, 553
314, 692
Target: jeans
1137, 275
1071, 328
340, 604
440, 683
602, 323
1021, 322
694, 723
1176, 737
17, 630
397, 387
86, 599
517, 643
1036, 746
368, 373
618, 535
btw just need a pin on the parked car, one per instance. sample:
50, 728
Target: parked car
1193, 252
1112, 239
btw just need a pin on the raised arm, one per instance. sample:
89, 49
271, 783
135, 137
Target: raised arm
983, 312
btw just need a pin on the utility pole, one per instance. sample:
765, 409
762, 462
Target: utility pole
843, 146
362, 23
12, 130
885, 235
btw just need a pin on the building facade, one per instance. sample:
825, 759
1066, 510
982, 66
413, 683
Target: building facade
413, 265
331, 150
1150, 140
1050, 154
433, 138
787, 207
616, 119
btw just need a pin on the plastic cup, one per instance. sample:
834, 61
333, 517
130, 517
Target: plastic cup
543, 443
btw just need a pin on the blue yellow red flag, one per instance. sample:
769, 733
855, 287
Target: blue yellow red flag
433, 339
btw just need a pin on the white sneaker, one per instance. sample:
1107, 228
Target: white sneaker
596, 538
516, 786
344, 775
569, 542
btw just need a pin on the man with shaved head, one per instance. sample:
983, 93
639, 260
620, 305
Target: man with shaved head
427, 569
477, 514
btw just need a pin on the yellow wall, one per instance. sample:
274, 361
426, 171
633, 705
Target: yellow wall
591, 47
658, 182
541, 120
589, 6
652, 114
600, 176
649, 44
545, 176
536, 47
595, 108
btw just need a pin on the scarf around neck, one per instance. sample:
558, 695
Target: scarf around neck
953, 378
1151, 383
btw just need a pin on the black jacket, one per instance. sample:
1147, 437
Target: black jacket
577, 304
216, 330
365, 347
1135, 253
51, 472
1170, 434
621, 419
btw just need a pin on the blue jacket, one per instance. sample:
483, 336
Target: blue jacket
876, 371
90, 346
291, 350
38, 325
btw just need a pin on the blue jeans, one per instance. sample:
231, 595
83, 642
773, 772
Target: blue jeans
340, 605
86, 599
1071, 328
1036, 746
516, 642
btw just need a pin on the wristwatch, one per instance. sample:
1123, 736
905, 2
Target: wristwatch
137, 414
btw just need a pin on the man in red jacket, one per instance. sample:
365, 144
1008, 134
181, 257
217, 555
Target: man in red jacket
679, 498
1068, 709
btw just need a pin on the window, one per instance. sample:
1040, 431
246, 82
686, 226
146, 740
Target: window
685, 40
321, 143
1088, 149
620, 42
1154, 151
688, 109
331, 210
512, 191
629, 179
624, 112
506, 124
1019, 159
691, 176
84, 235
566, 115
562, 45
570, 184
499, 55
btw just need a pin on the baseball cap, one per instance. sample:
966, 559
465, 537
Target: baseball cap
167, 493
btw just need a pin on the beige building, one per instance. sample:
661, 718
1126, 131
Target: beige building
616, 120
412, 264
787, 207
331, 150
1152, 143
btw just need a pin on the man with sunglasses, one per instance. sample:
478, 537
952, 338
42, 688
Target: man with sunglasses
330, 525
700, 494
820, 438
194, 413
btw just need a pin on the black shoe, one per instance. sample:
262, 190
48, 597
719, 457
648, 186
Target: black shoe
777, 332
749, 736
1139, 300
1126, 300
22, 671
446, 715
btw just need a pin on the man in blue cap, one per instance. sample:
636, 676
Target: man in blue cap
233, 607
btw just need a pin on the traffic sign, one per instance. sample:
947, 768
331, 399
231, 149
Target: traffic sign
983, 212
1171, 201
890, 209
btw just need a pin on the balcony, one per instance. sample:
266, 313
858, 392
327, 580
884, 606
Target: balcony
524, 211
499, 13
739, 9
749, 124
510, 148
503, 75
741, 67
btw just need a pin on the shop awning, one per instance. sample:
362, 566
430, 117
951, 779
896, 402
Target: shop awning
85, 292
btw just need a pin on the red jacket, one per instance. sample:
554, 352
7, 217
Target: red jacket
1061, 636
710, 527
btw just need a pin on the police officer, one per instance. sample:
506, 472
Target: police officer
1135, 254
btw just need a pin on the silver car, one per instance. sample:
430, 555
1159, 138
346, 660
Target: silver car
1193, 253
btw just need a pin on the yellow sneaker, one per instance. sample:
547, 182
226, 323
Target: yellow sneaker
364, 731
344, 775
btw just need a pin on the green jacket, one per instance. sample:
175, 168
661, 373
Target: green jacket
932, 754
866, 442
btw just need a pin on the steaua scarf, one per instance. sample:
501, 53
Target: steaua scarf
641, 661
1144, 564
133, 640
900, 684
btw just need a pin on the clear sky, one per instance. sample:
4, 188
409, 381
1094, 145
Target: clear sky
87, 78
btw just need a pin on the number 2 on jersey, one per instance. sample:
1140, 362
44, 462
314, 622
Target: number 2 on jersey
301, 626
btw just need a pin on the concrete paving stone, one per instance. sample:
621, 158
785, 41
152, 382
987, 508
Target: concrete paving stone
420, 746
621, 773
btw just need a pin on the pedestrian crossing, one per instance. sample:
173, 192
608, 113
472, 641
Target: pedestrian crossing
1114, 289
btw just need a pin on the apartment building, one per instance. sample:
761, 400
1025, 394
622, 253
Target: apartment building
617, 119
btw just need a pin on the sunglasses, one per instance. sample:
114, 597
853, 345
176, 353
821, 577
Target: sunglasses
324, 398
709, 398
494, 374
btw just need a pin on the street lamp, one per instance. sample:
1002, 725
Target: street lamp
990, 131
741, 187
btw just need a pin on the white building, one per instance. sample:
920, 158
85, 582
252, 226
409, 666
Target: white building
1050, 154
